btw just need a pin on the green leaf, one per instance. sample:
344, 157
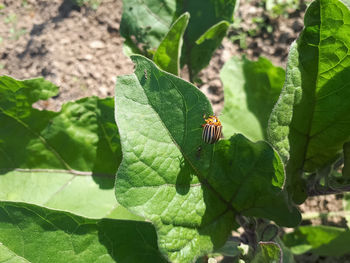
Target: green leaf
167, 56
6, 255
321, 240
230, 249
145, 23
190, 190
270, 252
310, 122
251, 90
65, 160
82, 136
207, 27
29, 233
346, 168
202, 50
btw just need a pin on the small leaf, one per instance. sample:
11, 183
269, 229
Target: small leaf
310, 122
321, 240
167, 56
271, 252
191, 191
251, 90
29, 233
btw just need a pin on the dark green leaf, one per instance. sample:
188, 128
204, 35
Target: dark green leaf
346, 168
310, 121
230, 249
207, 27
203, 49
29, 233
167, 56
251, 90
190, 190
321, 240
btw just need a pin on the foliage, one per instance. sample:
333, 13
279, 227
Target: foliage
250, 100
303, 126
186, 194
146, 25
58, 183
322, 240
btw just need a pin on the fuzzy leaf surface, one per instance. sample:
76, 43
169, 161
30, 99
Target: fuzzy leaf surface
30, 233
249, 100
311, 120
191, 191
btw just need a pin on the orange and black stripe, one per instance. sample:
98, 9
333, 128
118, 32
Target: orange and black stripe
211, 133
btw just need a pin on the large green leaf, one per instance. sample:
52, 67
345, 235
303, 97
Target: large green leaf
167, 56
190, 190
321, 240
251, 90
64, 160
310, 121
146, 23
29, 233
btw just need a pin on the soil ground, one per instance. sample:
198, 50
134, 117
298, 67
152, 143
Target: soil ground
81, 51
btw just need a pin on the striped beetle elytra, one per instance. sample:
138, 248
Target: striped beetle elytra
212, 129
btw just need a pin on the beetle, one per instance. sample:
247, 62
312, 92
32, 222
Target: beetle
212, 129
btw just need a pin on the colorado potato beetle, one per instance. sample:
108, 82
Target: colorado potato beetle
211, 129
